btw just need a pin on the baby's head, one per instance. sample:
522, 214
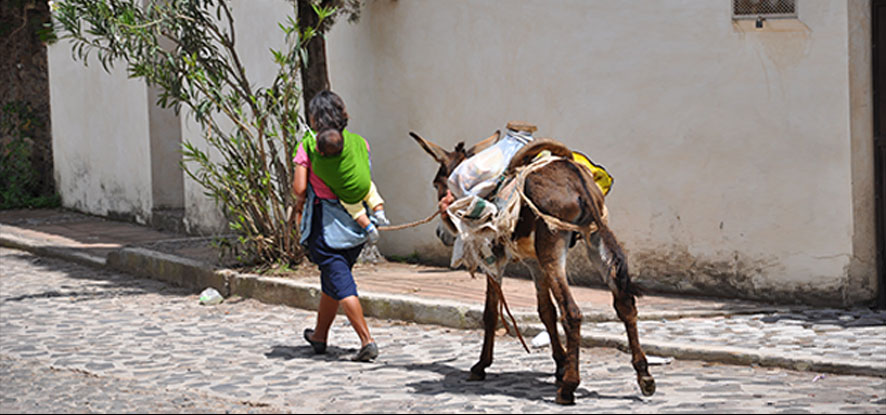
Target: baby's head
330, 142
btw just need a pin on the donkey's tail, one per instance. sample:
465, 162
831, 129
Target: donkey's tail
615, 261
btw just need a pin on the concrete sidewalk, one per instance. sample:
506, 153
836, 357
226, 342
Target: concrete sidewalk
717, 330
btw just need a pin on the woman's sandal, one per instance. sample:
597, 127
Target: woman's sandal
366, 353
319, 347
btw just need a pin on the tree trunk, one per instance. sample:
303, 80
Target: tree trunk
314, 75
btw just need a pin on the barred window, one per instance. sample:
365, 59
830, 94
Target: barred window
752, 9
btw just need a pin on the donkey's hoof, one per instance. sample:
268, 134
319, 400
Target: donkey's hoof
565, 398
647, 385
477, 374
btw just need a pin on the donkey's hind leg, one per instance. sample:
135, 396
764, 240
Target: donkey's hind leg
490, 322
626, 309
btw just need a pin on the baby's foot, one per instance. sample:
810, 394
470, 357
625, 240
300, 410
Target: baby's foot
382, 220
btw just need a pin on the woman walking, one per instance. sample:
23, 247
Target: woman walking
332, 237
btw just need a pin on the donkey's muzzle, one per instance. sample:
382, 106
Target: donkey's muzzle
445, 236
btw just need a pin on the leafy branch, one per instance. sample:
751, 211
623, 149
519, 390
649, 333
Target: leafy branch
188, 49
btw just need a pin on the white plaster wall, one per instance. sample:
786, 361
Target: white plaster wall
202, 215
166, 173
255, 25
100, 137
738, 154
730, 146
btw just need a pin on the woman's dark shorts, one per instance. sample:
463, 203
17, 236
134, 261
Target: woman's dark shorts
335, 265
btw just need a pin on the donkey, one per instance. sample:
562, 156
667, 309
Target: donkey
566, 191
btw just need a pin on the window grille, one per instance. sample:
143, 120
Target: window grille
769, 9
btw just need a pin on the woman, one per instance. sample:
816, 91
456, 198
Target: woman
335, 246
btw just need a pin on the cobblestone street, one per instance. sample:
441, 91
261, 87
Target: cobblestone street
79, 339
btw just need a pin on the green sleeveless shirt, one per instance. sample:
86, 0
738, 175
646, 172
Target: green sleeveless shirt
346, 174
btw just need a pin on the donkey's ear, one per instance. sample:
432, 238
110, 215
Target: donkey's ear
437, 152
483, 145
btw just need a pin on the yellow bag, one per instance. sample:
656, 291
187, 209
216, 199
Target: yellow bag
601, 176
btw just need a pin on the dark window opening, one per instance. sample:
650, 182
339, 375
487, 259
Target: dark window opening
752, 9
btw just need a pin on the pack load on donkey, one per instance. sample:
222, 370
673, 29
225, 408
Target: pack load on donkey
487, 200
559, 202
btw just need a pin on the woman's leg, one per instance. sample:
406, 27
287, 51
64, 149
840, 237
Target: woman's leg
354, 311
325, 315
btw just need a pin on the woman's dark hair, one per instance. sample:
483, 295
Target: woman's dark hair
328, 111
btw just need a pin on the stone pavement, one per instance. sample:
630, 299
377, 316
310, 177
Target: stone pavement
844, 341
77, 339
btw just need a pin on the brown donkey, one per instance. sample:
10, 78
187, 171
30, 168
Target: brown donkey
561, 192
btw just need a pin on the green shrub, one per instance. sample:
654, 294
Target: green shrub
19, 181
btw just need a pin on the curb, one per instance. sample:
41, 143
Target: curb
169, 268
10, 239
274, 290
738, 356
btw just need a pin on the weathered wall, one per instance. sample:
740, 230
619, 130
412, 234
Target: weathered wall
100, 137
166, 173
255, 23
741, 156
737, 171
118, 153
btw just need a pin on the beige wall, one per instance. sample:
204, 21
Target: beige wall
255, 25
742, 157
166, 173
739, 159
100, 137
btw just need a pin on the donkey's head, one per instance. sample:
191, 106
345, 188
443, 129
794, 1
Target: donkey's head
449, 160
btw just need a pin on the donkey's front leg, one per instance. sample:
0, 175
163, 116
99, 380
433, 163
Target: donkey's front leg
551, 250
490, 322
547, 312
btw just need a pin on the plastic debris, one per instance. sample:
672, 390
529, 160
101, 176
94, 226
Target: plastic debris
541, 340
658, 361
818, 378
210, 296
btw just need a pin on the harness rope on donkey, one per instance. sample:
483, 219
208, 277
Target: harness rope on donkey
507, 216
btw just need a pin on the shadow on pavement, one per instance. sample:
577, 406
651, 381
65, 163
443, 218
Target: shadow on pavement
107, 284
530, 385
838, 317
333, 353
77, 295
